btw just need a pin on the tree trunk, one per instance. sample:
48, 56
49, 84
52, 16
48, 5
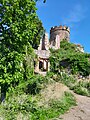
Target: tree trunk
3, 92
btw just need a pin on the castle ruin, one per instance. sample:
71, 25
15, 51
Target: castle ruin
57, 34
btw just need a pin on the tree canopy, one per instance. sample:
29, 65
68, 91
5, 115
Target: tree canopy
20, 32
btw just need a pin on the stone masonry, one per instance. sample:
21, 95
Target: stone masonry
57, 34
43, 54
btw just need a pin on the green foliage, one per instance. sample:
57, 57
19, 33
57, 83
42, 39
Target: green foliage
82, 88
21, 102
70, 58
79, 87
28, 107
20, 30
19, 23
66, 62
55, 108
16, 105
10, 68
50, 74
68, 80
32, 86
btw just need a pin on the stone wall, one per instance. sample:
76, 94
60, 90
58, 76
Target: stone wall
43, 53
80, 48
57, 34
44, 43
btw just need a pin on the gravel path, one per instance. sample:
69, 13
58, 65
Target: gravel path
79, 112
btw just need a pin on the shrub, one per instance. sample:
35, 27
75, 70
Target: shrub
82, 88
68, 80
67, 57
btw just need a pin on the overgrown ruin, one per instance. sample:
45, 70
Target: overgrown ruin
57, 34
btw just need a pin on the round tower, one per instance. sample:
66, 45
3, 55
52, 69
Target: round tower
57, 34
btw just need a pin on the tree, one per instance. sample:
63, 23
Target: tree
19, 28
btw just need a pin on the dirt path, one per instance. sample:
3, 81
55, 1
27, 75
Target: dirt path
55, 91
79, 112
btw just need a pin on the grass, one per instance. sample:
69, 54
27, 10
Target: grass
55, 108
79, 87
21, 103
82, 88
29, 109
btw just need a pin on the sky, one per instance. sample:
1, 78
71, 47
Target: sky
72, 13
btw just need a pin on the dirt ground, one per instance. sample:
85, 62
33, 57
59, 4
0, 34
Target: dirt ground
53, 91
79, 112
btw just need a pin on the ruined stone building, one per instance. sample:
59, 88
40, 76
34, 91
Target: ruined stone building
57, 34
43, 54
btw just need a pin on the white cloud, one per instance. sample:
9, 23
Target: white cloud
76, 14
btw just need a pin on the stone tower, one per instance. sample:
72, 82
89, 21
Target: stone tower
57, 34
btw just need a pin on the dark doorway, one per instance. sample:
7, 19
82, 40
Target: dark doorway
40, 65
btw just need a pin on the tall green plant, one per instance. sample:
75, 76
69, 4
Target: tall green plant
20, 30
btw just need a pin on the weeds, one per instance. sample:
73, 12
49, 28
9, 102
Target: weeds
32, 111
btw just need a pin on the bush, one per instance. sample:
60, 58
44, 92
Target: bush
67, 57
17, 104
31, 86
66, 79
82, 88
